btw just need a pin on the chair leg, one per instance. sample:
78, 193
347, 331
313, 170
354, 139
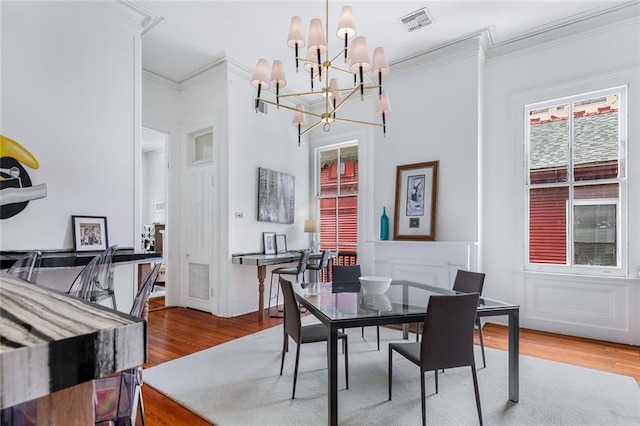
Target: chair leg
436, 371
113, 301
423, 398
417, 331
390, 371
378, 335
346, 361
284, 349
484, 363
295, 372
475, 388
141, 406
269, 300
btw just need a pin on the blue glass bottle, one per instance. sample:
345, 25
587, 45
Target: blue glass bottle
384, 225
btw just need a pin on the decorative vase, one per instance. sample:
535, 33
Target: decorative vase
384, 225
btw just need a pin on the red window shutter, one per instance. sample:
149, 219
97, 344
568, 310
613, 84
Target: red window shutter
548, 225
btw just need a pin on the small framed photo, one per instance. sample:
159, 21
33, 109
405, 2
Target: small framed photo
89, 233
281, 243
269, 242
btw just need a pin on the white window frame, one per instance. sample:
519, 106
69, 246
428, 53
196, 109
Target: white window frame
621, 226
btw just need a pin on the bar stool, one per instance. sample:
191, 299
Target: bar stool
27, 266
321, 265
297, 271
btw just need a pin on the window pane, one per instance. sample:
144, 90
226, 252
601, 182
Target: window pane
348, 224
348, 170
594, 231
610, 190
548, 144
329, 172
595, 139
548, 225
328, 224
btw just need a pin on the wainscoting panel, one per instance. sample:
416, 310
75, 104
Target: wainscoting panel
592, 307
435, 263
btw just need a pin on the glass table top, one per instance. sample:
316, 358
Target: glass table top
346, 300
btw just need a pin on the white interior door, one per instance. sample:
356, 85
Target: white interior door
198, 224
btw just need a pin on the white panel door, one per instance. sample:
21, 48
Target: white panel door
198, 226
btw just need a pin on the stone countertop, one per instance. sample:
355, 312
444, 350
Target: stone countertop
51, 341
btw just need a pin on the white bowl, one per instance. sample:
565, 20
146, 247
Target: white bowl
375, 285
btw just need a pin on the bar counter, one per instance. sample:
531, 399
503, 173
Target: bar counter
51, 341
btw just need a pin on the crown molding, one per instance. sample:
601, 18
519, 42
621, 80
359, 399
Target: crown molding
461, 48
559, 31
159, 79
136, 15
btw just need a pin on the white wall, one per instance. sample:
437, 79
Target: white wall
70, 95
598, 307
68, 87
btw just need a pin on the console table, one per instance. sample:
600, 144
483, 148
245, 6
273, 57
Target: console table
52, 341
261, 261
70, 258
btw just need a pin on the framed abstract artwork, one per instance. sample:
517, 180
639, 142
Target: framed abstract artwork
416, 195
276, 196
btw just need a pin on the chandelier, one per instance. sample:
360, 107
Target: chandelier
352, 60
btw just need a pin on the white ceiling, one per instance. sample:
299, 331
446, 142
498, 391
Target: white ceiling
192, 34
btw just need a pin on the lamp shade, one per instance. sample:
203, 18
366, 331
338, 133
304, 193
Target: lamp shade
277, 74
259, 78
310, 62
316, 36
310, 225
333, 90
296, 35
359, 56
298, 117
379, 62
383, 105
346, 25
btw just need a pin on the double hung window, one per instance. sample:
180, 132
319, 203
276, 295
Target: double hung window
575, 182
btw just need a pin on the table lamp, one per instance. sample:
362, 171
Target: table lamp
311, 227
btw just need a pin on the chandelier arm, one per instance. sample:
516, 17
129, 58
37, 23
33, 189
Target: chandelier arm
344, 49
348, 120
341, 70
266, 101
289, 95
308, 129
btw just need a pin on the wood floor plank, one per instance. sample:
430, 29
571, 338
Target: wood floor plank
176, 332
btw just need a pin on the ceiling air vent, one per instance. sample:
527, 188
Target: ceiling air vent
416, 20
262, 107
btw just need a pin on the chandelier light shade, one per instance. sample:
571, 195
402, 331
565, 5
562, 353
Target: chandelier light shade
296, 36
319, 63
383, 108
298, 119
277, 78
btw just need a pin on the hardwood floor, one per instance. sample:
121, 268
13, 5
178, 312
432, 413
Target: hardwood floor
175, 332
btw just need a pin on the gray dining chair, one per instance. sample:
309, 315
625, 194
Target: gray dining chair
468, 282
297, 271
321, 264
447, 342
300, 334
471, 282
351, 273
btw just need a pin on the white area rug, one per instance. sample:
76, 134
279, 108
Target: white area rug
238, 383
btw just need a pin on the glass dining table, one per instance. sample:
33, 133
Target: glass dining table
344, 305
